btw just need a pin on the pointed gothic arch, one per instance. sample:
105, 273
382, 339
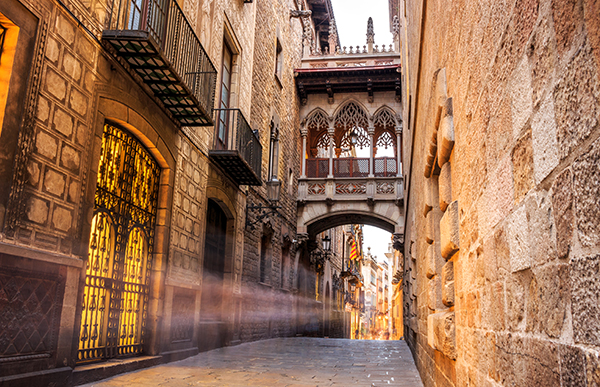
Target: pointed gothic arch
317, 124
385, 122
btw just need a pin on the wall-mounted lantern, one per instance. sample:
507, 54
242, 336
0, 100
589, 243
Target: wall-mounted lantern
273, 192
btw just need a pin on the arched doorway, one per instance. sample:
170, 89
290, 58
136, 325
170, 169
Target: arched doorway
214, 262
117, 284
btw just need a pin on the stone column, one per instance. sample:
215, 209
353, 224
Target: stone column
303, 133
399, 150
331, 133
371, 131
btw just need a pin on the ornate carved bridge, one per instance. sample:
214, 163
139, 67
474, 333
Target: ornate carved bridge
351, 139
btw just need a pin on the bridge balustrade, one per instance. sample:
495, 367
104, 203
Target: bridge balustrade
351, 167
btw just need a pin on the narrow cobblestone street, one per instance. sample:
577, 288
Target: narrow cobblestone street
285, 362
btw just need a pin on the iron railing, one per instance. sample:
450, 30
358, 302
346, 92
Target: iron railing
385, 167
232, 132
165, 22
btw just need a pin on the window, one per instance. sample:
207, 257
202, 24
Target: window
291, 182
135, 14
2, 35
265, 258
285, 263
9, 33
278, 61
19, 31
274, 149
225, 98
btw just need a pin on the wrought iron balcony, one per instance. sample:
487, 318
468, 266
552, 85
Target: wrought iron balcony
157, 42
236, 148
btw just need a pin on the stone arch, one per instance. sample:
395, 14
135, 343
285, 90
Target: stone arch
155, 132
385, 122
220, 197
343, 217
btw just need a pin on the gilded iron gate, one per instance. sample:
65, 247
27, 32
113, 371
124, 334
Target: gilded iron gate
115, 304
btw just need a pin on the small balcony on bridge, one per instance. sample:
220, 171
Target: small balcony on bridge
236, 147
351, 155
351, 167
156, 43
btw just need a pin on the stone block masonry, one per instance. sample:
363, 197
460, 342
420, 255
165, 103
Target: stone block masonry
519, 189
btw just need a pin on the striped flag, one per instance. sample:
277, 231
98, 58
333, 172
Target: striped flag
354, 251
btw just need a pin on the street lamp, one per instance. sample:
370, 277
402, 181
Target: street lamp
327, 243
273, 192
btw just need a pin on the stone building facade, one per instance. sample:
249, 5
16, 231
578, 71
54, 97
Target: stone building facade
124, 231
501, 156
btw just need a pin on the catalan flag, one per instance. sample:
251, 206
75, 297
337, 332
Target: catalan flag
354, 251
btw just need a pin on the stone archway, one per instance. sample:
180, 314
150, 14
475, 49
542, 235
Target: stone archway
315, 217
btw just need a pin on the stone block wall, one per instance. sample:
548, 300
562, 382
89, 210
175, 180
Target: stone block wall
268, 309
513, 166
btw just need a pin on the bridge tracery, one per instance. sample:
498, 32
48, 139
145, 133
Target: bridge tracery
333, 142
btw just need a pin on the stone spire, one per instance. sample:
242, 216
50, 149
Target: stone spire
370, 35
396, 33
395, 26
370, 31
333, 37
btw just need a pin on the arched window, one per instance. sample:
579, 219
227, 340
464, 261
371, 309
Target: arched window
385, 139
351, 118
116, 292
323, 144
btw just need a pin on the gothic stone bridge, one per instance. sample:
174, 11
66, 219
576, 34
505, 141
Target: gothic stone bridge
351, 140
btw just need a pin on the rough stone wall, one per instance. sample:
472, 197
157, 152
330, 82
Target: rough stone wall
72, 86
510, 193
55, 169
269, 307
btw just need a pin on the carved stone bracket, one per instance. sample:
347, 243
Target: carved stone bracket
398, 242
302, 238
329, 92
300, 13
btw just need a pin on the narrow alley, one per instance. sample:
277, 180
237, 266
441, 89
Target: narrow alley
285, 362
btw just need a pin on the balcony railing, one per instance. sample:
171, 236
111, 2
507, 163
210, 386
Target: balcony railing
385, 167
159, 44
236, 147
318, 167
351, 167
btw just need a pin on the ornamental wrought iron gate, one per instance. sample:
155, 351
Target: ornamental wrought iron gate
115, 302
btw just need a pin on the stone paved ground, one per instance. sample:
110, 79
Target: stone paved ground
285, 362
